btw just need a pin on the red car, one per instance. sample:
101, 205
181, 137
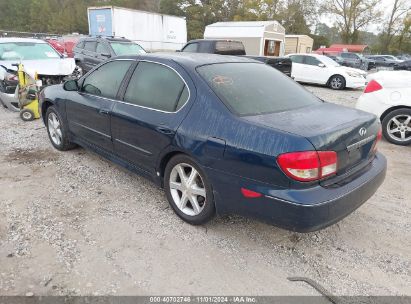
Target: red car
63, 45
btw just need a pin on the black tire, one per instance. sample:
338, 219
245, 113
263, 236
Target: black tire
337, 82
65, 144
27, 115
387, 123
208, 211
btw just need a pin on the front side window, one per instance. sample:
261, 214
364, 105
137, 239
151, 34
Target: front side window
268, 91
157, 87
106, 80
102, 49
26, 51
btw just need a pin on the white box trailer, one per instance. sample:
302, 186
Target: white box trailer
260, 38
154, 32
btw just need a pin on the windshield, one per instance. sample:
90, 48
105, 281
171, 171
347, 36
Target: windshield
267, 91
127, 48
27, 51
328, 61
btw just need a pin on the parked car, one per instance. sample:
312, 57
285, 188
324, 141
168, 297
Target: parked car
320, 69
405, 65
404, 57
236, 48
383, 61
357, 61
224, 135
91, 51
337, 59
391, 57
37, 57
388, 95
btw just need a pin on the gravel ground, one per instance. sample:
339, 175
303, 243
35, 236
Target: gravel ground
73, 223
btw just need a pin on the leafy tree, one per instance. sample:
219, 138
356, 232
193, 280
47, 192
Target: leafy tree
352, 16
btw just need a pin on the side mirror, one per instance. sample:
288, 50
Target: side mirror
321, 65
71, 85
107, 55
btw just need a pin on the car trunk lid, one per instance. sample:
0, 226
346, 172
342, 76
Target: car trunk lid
349, 132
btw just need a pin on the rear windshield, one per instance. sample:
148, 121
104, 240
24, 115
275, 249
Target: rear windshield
254, 88
127, 48
26, 51
229, 48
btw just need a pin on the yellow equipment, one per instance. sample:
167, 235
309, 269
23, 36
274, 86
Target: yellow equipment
28, 95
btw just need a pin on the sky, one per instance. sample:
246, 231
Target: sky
384, 5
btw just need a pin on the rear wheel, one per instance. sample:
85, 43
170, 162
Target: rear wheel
57, 130
396, 127
188, 190
337, 82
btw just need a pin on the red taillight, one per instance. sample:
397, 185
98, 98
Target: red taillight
379, 137
250, 194
372, 86
308, 165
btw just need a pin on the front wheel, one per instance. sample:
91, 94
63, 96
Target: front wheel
57, 130
396, 127
188, 190
337, 82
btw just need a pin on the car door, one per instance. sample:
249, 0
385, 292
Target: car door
88, 110
315, 70
89, 55
154, 105
297, 70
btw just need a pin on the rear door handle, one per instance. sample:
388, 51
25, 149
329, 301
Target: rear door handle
164, 130
103, 111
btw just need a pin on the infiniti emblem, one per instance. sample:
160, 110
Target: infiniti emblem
363, 131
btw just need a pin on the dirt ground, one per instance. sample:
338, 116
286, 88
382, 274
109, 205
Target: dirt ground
73, 223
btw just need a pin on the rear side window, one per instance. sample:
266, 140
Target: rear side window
312, 60
80, 45
157, 87
229, 48
90, 46
191, 48
102, 49
268, 91
106, 80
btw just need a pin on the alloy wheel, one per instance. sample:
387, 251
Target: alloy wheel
187, 189
399, 128
54, 128
336, 83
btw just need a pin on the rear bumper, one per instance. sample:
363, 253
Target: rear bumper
301, 210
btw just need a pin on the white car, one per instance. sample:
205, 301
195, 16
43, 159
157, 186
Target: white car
388, 95
38, 57
320, 69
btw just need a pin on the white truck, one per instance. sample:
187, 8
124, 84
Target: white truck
154, 32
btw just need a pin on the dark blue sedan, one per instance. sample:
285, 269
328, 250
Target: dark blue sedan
221, 134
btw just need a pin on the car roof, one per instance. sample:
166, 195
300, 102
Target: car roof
191, 60
30, 40
104, 38
310, 54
